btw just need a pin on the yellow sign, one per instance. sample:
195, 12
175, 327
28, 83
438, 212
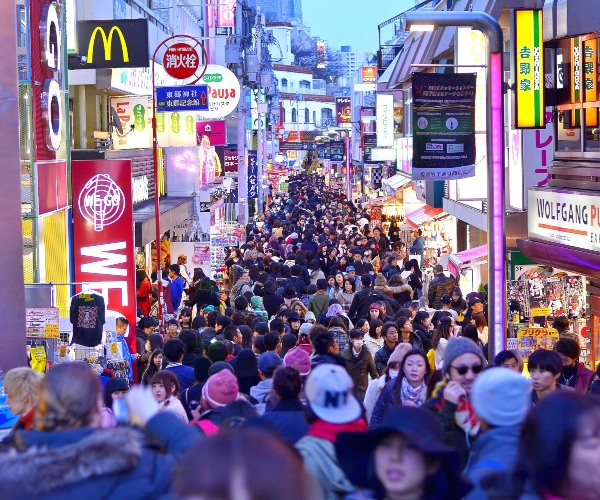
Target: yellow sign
533, 339
590, 75
528, 69
107, 41
51, 331
540, 311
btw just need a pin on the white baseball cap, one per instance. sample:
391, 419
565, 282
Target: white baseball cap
329, 393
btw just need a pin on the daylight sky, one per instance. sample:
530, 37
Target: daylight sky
351, 22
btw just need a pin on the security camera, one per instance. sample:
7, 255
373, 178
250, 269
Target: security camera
76, 61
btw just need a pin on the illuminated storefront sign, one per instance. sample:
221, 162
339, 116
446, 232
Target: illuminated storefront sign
226, 14
528, 69
590, 75
369, 74
385, 120
575, 80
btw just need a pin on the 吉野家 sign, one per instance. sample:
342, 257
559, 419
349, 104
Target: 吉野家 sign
443, 126
114, 44
528, 69
183, 98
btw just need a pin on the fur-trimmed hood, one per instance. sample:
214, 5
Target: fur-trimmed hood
44, 461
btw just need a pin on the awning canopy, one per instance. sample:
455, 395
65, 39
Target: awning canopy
173, 211
422, 214
395, 182
460, 259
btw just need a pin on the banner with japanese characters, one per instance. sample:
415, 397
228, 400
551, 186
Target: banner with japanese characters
252, 175
443, 126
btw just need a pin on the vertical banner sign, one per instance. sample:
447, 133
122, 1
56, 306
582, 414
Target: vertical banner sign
590, 65
443, 126
103, 234
226, 14
385, 120
252, 174
575, 80
528, 69
343, 111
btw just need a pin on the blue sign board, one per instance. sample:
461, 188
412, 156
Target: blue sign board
182, 98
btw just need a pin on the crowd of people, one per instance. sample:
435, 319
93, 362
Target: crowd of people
328, 369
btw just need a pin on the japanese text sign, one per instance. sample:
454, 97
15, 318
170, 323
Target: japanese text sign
183, 98
252, 174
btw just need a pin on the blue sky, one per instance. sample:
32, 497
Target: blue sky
351, 22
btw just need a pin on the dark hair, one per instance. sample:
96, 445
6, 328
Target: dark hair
420, 316
470, 331
217, 351
189, 339
174, 349
261, 327
223, 321
548, 435
240, 303
365, 279
504, 356
360, 323
246, 332
479, 319
211, 319
322, 284
156, 341
322, 342
276, 325
288, 342
446, 299
316, 330
545, 360
259, 344
168, 379
271, 340
230, 332
569, 348
443, 331
354, 334
238, 318
397, 385
373, 324
561, 323
236, 413
456, 290
287, 382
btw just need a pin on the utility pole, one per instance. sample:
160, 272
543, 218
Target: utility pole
241, 126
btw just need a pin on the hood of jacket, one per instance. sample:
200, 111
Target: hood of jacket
51, 460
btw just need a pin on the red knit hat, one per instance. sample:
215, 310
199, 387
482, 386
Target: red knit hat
220, 389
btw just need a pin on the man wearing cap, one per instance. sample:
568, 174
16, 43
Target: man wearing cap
462, 363
501, 399
440, 285
267, 363
332, 409
475, 306
353, 278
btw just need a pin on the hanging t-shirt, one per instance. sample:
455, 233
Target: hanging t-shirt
87, 317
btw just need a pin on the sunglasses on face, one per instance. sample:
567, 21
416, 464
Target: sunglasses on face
462, 370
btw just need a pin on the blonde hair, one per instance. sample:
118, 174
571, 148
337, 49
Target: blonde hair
299, 303
69, 397
25, 384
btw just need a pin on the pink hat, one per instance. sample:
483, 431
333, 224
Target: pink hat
298, 358
374, 305
220, 389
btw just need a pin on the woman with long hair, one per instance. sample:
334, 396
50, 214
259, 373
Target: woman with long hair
336, 326
409, 388
156, 364
299, 308
346, 295
440, 339
374, 340
315, 272
165, 387
338, 284
415, 278
481, 325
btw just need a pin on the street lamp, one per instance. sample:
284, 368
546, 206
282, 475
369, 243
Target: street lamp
428, 21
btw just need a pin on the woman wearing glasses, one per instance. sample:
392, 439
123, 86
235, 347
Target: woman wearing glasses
462, 363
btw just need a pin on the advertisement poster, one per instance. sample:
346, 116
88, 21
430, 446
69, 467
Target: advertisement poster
443, 126
533, 339
135, 117
252, 175
343, 110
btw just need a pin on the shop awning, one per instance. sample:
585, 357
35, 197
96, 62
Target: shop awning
173, 211
460, 259
422, 214
395, 182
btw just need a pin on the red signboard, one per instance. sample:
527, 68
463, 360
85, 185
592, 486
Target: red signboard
181, 61
226, 14
51, 186
369, 74
103, 244
230, 160
215, 131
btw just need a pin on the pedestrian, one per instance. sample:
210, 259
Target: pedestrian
143, 287
267, 364
174, 350
422, 328
409, 388
510, 359
389, 332
319, 302
439, 286
414, 277
165, 387
332, 409
439, 342
22, 386
404, 458
545, 368
574, 374
177, 285
359, 363
407, 335
462, 362
245, 369
156, 364
220, 389
326, 350
373, 339
337, 326
145, 327
346, 295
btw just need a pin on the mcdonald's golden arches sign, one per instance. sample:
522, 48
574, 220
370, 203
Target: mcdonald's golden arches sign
119, 43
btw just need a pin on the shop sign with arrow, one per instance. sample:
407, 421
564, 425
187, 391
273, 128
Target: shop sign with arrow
182, 98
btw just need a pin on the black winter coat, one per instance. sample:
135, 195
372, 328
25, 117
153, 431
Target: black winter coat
272, 302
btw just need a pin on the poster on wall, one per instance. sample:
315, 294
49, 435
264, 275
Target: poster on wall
135, 117
196, 229
533, 339
443, 126
343, 111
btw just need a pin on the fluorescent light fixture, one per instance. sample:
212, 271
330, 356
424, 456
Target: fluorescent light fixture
422, 27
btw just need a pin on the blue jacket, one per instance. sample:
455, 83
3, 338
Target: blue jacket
176, 292
185, 375
495, 451
289, 419
96, 463
418, 247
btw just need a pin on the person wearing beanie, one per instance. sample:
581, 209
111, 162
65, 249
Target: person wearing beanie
332, 409
220, 389
501, 399
258, 307
310, 318
298, 358
462, 362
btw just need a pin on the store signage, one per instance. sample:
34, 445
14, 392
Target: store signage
365, 87
369, 142
230, 160
443, 126
135, 115
575, 81
114, 44
528, 69
181, 60
71, 22
223, 92
51, 184
343, 110
384, 110
533, 339
590, 72
337, 150
215, 131
226, 14
47, 98
252, 175
369, 74
183, 98
383, 154
565, 217
404, 154
138, 81
176, 129
103, 246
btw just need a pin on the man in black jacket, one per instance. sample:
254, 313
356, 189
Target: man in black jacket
440, 285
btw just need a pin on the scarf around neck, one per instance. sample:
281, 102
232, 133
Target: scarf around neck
415, 394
